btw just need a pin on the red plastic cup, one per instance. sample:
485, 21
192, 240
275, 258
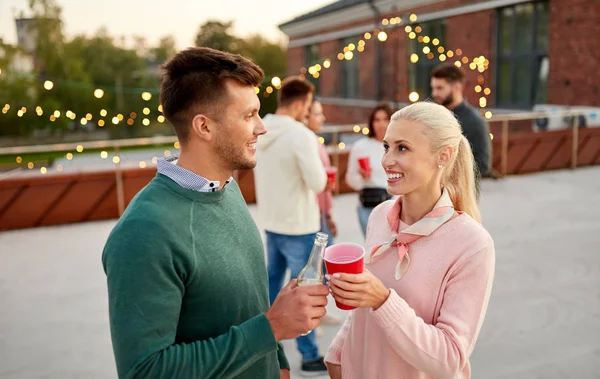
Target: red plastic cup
345, 258
331, 174
365, 163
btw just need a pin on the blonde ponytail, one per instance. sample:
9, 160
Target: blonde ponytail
443, 129
459, 181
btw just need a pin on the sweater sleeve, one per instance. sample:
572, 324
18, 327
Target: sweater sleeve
306, 150
442, 350
353, 177
283, 361
334, 354
146, 277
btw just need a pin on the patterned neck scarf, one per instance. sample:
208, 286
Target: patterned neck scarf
441, 212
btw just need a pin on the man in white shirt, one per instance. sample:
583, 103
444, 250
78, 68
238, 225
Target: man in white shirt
288, 176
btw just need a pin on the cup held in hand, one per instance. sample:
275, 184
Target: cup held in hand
365, 163
331, 174
345, 258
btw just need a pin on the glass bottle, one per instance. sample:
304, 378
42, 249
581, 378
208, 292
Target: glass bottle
312, 273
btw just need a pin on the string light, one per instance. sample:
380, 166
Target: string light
382, 36
276, 81
146, 122
365, 131
146, 96
356, 128
341, 146
43, 170
146, 111
98, 93
103, 154
413, 97
79, 148
116, 159
177, 145
103, 113
161, 119
142, 164
48, 85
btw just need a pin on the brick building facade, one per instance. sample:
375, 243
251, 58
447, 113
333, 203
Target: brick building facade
538, 51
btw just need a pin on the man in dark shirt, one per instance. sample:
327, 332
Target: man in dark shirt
447, 84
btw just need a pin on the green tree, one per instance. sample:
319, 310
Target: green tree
218, 35
166, 48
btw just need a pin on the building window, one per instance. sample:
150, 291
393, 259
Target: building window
311, 58
522, 66
349, 80
419, 72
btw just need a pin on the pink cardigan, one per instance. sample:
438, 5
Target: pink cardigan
429, 325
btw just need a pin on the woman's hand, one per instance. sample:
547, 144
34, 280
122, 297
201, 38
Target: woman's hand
358, 290
366, 174
335, 371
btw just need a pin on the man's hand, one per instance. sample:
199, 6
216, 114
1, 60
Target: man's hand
297, 310
284, 373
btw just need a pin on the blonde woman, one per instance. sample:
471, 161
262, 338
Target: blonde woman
429, 262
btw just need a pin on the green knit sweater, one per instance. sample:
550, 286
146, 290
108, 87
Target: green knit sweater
187, 287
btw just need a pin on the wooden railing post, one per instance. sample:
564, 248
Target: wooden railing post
119, 180
336, 161
575, 144
504, 152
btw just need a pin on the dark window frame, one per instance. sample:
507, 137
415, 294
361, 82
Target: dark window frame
354, 64
534, 57
312, 56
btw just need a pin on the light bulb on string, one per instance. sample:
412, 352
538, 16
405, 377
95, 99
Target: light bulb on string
382, 36
48, 85
146, 96
413, 97
98, 93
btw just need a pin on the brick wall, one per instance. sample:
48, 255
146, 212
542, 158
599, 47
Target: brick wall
473, 34
574, 27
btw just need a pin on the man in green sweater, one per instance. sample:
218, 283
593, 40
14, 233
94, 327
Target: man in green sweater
185, 264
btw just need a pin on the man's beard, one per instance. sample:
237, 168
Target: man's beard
231, 157
447, 101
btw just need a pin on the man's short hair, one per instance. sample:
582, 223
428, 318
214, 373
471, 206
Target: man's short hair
193, 82
449, 72
294, 88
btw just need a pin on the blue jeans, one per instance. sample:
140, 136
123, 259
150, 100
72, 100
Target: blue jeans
291, 252
363, 217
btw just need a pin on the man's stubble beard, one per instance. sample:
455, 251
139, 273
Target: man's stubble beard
231, 157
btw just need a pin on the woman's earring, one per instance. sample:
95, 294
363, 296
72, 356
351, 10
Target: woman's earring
440, 165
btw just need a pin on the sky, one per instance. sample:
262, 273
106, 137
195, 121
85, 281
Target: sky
156, 18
